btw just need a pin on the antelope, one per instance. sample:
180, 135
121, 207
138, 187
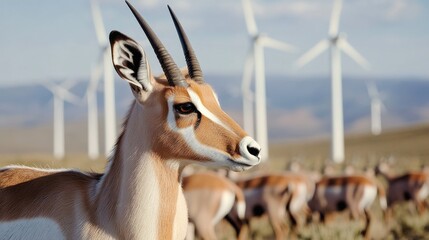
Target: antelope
210, 197
412, 186
355, 193
174, 120
273, 194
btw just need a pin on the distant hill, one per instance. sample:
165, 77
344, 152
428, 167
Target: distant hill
297, 109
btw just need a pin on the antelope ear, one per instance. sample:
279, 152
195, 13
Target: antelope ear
130, 62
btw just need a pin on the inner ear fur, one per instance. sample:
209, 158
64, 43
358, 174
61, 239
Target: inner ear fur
130, 62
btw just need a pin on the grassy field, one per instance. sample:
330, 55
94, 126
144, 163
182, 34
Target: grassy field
406, 148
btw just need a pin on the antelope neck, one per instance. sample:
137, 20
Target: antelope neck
140, 191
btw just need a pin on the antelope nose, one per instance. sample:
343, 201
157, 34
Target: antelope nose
253, 150
250, 149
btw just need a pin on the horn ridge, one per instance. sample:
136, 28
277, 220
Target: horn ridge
172, 72
194, 68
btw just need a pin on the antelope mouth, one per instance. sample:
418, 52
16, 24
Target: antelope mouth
240, 166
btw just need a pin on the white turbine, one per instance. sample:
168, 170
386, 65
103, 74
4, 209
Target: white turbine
109, 91
376, 107
255, 62
60, 94
91, 96
337, 42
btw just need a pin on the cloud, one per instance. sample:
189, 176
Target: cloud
301, 9
399, 9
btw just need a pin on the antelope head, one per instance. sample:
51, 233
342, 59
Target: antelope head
179, 112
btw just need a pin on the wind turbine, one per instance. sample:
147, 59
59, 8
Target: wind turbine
109, 90
337, 43
91, 96
60, 94
255, 62
376, 107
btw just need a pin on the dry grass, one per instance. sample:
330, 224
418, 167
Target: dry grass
407, 148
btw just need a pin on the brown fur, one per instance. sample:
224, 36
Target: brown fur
144, 172
273, 193
203, 193
405, 187
349, 194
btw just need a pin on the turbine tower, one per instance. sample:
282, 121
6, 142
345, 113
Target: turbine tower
60, 94
376, 107
92, 105
109, 88
337, 43
255, 62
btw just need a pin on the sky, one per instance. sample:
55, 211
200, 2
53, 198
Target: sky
48, 40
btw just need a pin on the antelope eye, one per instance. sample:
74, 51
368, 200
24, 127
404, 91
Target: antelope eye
185, 108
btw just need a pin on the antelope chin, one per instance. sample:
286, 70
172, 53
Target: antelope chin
237, 166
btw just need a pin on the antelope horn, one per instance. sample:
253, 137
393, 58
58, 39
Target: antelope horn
172, 72
194, 68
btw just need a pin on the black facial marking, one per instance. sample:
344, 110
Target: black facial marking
198, 120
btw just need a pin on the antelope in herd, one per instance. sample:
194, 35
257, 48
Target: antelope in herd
412, 186
276, 195
210, 197
355, 193
175, 120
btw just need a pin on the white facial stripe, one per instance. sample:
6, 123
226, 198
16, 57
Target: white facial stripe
204, 111
189, 137
217, 99
217, 157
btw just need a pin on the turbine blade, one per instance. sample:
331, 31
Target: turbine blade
372, 90
335, 18
49, 86
68, 96
249, 16
344, 45
68, 84
276, 44
98, 23
312, 53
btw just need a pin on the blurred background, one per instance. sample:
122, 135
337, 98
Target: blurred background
55, 74
55, 42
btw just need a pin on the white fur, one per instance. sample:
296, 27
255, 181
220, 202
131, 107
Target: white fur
135, 204
36, 229
102, 179
368, 197
383, 202
299, 198
49, 170
143, 76
204, 111
219, 158
424, 192
179, 230
241, 210
249, 142
226, 203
